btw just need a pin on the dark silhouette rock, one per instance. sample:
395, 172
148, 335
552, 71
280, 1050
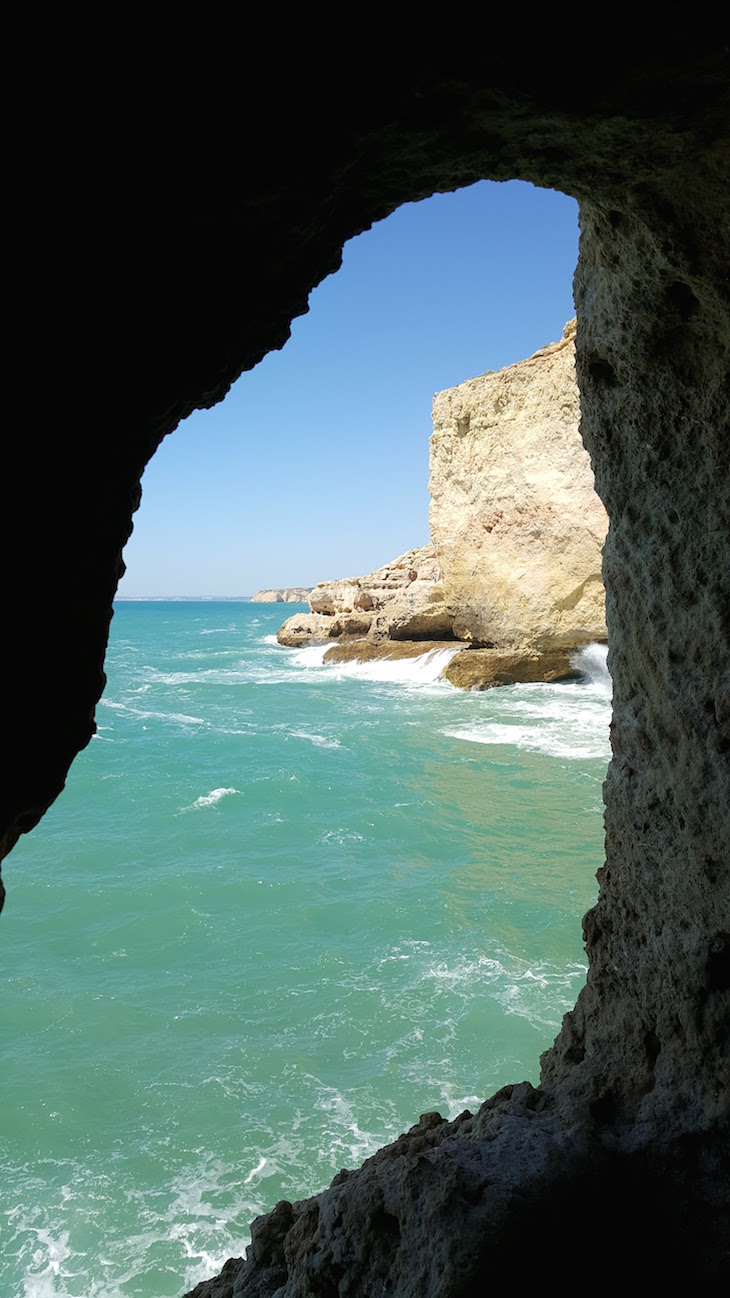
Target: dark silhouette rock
162, 259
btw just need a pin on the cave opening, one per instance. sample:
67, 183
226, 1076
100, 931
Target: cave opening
151, 292
526, 983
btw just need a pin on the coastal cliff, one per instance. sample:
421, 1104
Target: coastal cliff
513, 570
515, 520
283, 595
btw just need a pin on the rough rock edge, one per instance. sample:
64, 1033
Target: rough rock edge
472, 1188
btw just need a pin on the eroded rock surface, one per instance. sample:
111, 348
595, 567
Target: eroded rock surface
403, 600
302, 629
515, 520
480, 669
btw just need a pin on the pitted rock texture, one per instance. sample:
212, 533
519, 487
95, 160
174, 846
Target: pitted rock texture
451, 1206
515, 520
160, 266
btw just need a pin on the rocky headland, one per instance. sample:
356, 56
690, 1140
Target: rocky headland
283, 595
513, 569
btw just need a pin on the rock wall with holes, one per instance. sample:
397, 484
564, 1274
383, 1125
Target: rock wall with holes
514, 518
156, 269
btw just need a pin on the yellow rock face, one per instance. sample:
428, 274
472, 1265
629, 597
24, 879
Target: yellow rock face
515, 520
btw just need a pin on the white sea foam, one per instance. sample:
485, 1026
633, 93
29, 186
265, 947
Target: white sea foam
312, 656
146, 715
255, 1171
539, 992
210, 799
50, 1253
587, 738
320, 741
210, 676
341, 837
568, 720
593, 663
423, 670
347, 1143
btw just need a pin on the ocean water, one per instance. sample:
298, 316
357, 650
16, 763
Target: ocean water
279, 911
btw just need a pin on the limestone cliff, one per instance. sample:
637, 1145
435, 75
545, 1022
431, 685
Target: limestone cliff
283, 595
516, 537
515, 520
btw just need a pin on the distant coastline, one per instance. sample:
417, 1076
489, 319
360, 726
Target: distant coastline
183, 599
211, 599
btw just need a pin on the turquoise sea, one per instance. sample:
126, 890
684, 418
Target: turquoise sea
279, 911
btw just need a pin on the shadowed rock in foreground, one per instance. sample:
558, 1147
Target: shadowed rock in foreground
616, 1168
449, 1206
178, 256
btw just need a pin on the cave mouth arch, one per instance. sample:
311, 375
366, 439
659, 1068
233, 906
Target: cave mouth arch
113, 939
638, 1075
329, 436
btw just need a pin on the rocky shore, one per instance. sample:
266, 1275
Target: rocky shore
513, 568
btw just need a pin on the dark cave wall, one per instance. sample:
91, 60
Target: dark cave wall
653, 363
178, 257
169, 239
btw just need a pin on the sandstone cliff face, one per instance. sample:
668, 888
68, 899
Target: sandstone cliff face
515, 520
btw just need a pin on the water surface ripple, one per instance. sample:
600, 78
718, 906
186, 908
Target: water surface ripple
279, 911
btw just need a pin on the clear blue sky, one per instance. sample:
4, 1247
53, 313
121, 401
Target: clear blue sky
316, 464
